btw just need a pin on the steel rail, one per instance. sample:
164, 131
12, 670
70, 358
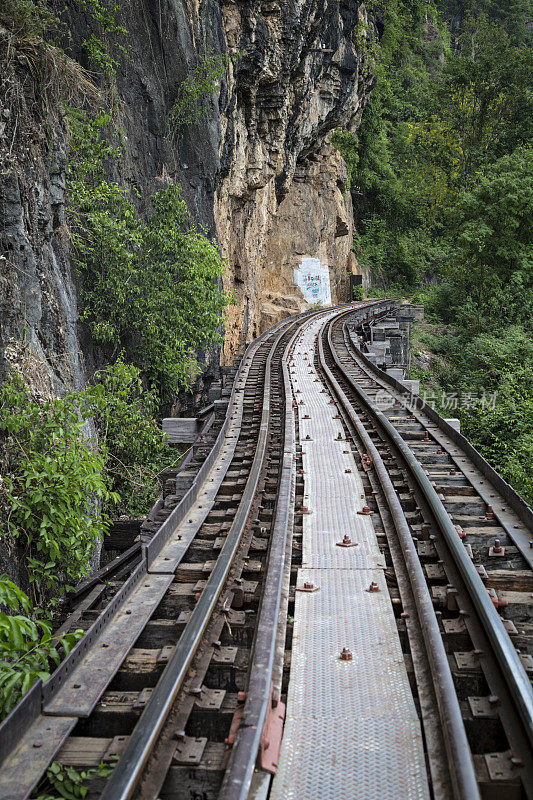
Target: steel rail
77, 654
509, 495
504, 650
27, 713
460, 764
128, 772
239, 772
240, 769
154, 547
125, 777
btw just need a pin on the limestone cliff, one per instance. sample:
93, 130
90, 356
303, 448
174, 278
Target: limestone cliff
314, 219
282, 193
258, 170
37, 292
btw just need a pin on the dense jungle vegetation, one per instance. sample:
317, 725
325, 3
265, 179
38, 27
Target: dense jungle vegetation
442, 182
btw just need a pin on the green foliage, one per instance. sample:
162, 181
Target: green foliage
94, 144
504, 435
150, 286
200, 83
438, 119
52, 484
497, 363
26, 18
136, 451
382, 294
346, 144
494, 262
485, 97
27, 647
68, 783
110, 33
444, 195
58, 488
397, 193
440, 302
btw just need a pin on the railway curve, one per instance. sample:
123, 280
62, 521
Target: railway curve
201, 671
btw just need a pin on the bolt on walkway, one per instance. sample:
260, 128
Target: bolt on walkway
351, 729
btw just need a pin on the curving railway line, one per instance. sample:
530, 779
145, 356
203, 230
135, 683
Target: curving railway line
194, 652
456, 540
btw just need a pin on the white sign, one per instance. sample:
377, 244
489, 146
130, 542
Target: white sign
313, 280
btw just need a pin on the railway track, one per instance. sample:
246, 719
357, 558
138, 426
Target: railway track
171, 650
180, 680
456, 543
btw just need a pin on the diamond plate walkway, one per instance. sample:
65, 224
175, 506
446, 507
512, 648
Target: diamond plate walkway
351, 730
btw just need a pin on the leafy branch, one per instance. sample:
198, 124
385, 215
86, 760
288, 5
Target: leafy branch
27, 647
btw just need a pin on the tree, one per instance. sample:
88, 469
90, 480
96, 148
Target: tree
151, 286
494, 236
484, 96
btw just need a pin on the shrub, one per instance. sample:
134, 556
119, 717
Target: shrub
499, 367
27, 647
150, 286
52, 486
26, 18
135, 447
201, 82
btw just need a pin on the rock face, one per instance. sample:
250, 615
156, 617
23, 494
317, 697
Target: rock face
314, 219
258, 170
37, 290
282, 192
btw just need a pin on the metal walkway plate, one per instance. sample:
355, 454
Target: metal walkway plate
344, 614
84, 686
351, 730
173, 551
348, 759
42, 740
